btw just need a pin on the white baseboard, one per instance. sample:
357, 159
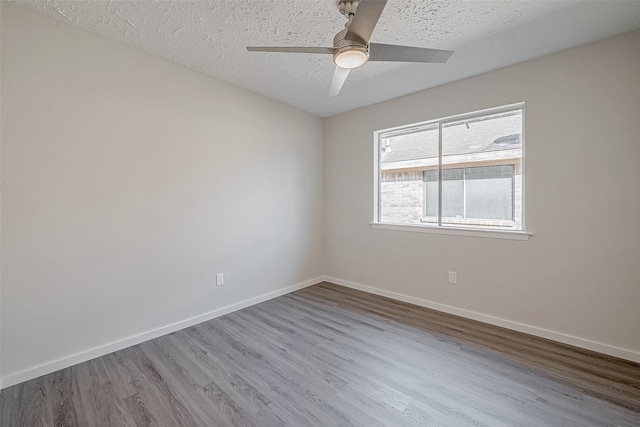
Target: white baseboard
83, 356
509, 324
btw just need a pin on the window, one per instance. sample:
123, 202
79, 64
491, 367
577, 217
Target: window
458, 172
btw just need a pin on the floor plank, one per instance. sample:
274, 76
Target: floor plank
327, 356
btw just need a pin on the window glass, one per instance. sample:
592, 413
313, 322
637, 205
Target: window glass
480, 160
489, 192
404, 156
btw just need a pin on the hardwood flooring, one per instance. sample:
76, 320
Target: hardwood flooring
332, 356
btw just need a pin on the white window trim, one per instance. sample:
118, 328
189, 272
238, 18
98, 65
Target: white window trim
440, 229
454, 231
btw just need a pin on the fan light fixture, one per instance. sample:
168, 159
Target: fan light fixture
353, 57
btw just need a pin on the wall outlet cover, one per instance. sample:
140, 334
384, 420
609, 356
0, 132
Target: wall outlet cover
453, 277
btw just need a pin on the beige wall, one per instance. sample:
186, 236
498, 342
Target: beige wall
579, 275
129, 181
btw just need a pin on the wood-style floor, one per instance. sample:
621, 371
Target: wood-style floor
332, 356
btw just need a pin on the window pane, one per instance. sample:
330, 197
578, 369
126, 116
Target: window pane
453, 193
431, 193
404, 155
488, 149
489, 192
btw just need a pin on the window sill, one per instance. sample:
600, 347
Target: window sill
455, 231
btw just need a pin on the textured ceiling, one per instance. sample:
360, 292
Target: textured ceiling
210, 37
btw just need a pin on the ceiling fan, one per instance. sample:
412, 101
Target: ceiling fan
351, 47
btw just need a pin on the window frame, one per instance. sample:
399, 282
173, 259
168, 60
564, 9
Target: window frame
438, 228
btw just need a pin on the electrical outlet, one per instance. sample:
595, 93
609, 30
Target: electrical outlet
453, 277
219, 279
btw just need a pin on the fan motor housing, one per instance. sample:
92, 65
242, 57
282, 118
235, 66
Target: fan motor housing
340, 42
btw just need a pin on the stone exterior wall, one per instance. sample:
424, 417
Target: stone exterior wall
401, 197
518, 200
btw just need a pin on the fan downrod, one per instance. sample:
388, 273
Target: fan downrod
348, 7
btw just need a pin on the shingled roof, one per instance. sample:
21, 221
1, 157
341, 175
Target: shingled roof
479, 139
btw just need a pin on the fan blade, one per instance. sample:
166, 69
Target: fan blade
328, 50
339, 77
365, 20
391, 52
